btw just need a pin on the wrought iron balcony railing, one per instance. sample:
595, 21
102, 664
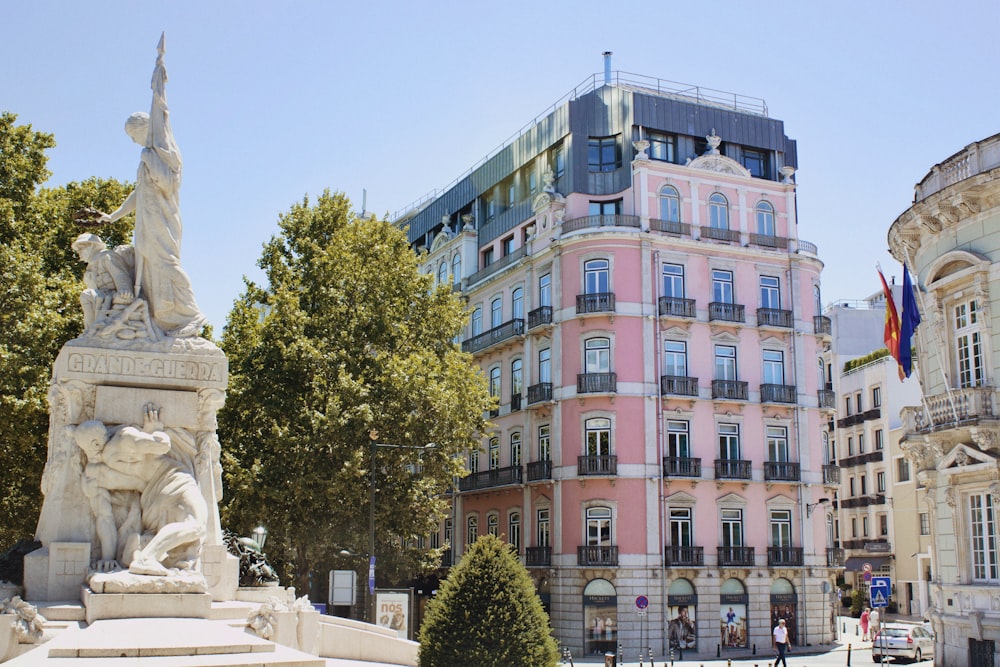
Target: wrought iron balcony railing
515, 402
726, 312
736, 556
593, 221
777, 393
732, 469
540, 392
834, 557
827, 398
589, 555
684, 556
675, 466
784, 556
822, 325
782, 471
599, 302
769, 241
604, 464
831, 473
596, 383
670, 227
732, 389
487, 479
538, 556
670, 306
774, 317
495, 335
678, 385
716, 234
539, 316
539, 470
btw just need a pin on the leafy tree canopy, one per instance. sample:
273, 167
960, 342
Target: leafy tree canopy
488, 614
346, 345
39, 306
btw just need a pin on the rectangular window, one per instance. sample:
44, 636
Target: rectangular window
662, 146
597, 355
850, 445
902, 470
756, 163
781, 528
675, 358
857, 402
487, 257
603, 154
852, 487
984, 541
925, 523
864, 526
532, 181
511, 195
508, 245
514, 531
880, 481
596, 276
681, 528
864, 485
545, 290
606, 207
770, 292
854, 526
968, 344
861, 443
599, 526
598, 436
847, 405
879, 443
543, 527
883, 525
545, 365
494, 453
876, 397
474, 460
729, 442
544, 443
722, 286
725, 362
732, 528
774, 367
678, 441
673, 281
777, 444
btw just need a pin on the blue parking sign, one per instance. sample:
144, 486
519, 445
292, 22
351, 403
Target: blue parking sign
880, 590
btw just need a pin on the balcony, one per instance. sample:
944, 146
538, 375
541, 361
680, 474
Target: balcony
827, 398
515, 402
597, 556
447, 558
862, 501
774, 317
539, 316
769, 241
684, 556
677, 466
861, 459
831, 473
670, 227
599, 302
736, 556
777, 393
596, 383
732, 469
822, 325
730, 389
963, 407
539, 392
784, 556
834, 557
604, 464
716, 234
670, 306
678, 385
499, 264
725, 312
539, 470
782, 471
496, 335
538, 556
488, 479
595, 221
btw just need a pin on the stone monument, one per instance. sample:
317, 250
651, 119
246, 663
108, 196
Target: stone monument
132, 481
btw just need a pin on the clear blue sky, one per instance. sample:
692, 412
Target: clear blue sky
273, 101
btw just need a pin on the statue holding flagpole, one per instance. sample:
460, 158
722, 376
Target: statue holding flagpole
159, 278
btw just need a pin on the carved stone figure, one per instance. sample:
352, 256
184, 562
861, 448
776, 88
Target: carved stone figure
165, 526
159, 278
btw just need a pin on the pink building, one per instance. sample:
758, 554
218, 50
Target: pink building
649, 321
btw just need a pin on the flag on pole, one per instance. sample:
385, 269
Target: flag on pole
891, 332
908, 322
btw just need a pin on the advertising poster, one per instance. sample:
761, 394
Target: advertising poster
681, 629
392, 610
734, 625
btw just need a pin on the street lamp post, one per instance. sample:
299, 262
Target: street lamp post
373, 437
260, 536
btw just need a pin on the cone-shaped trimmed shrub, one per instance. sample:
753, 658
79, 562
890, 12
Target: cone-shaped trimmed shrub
487, 614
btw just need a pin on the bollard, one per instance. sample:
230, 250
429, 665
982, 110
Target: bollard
754, 650
718, 650
857, 630
843, 628
848, 655
729, 663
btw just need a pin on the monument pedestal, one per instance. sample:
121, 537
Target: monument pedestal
56, 571
146, 605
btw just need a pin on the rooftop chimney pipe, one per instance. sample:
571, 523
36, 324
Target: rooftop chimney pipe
607, 68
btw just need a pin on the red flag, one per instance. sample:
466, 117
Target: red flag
891, 333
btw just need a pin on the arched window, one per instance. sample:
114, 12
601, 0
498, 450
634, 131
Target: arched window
718, 211
598, 436
595, 274
517, 304
493, 524
514, 530
442, 277
516, 377
477, 321
515, 449
598, 355
496, 312
472, 529
456, 268
495, 382
670, 204
765, 219
494, 453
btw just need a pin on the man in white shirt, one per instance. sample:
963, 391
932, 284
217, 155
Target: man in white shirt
780, 635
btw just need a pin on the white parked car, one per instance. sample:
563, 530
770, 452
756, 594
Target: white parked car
900, 640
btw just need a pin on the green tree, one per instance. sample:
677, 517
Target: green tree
347, 341
39, 307
488, 614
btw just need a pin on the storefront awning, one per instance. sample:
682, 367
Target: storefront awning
856, 563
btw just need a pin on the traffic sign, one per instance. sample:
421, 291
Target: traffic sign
880, 590
642, 602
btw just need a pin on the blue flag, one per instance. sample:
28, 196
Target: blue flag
908, 321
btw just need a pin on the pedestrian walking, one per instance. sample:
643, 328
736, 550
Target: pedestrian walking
873, 619
864, 623
781, 642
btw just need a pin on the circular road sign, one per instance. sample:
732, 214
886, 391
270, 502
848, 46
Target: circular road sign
642, 602
867, 567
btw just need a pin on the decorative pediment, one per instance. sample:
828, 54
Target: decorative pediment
963, 458
681, 498
720, 164
545, 199
771, 339
725, 337
440, 241
781, 500
731, 499
676, 330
